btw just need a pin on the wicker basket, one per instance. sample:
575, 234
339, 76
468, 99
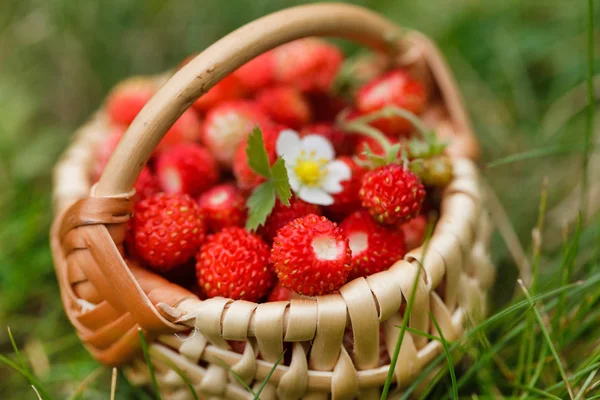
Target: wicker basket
108, 298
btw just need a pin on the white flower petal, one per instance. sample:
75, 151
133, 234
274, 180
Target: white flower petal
315, 195
293, 179
337, 172
317, 147
288, 146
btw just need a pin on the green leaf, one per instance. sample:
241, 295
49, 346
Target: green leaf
258, 159
260, 204
281, 181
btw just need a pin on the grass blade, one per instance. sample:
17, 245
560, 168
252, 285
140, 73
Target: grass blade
406, 317
264, 382
15, 348
86, 382
546, 335
448, 357
537, 391
591, 107
586, 384
149, 362
237, 377
33, 381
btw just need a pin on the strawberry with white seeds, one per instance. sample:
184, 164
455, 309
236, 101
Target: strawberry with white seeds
228, 124
128, 98
311, 256
187, 168
374, 247
396, 88
285, 104
168, 230
309, 64
392, 194
283, 214
234, 263
223, 206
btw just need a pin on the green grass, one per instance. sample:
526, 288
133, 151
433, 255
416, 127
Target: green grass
526, 69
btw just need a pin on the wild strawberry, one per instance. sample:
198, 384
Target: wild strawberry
309, 64
229, 88
186, 129
105, 149
342, 142
245, 176
284, 104
392, 194
146, 184
363, 142
256, 73
374, 247
187, 168
396, 88
223, 205
311, 256
325, 106
234, 263
347, 201
281, 215
414, 232
228, 124
128, 98
281, 293
168, 230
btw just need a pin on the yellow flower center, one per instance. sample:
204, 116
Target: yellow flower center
310, 171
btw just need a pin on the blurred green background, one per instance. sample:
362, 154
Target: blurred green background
521, 65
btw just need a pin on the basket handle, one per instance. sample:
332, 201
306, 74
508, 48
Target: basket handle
225, 56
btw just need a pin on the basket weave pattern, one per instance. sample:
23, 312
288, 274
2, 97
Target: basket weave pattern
108, 298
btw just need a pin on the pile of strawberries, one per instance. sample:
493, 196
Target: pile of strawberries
191, 199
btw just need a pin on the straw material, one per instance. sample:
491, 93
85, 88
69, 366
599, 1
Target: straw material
334, 345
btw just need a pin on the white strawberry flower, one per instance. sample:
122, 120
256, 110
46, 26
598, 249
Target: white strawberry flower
313, 172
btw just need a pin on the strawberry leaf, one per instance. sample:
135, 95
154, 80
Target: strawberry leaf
260, 204
281, 181
258, 159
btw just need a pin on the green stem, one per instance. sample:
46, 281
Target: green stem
591, 107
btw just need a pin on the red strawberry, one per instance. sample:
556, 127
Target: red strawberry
281, 293
392, 194
146, 184
235, 264
128, 98
187, 168
186, 129
256, 73
396, 88
229, 88
168, 230
282, 215
363, 141
246, 177
374, 247
414, 232
105, 149
342, 142
311, 256
284, 104
228, 124
347, 201
223, 205
309, 64
325, 106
